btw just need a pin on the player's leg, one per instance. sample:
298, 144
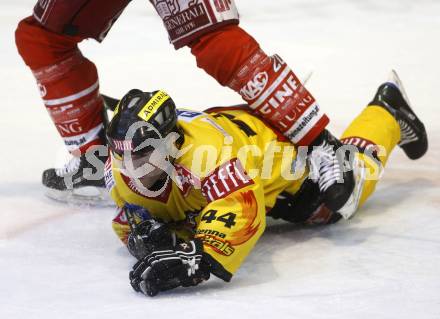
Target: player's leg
234, 58
387, 121
266, 83
68, 82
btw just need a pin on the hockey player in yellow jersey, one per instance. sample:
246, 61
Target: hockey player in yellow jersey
194, 189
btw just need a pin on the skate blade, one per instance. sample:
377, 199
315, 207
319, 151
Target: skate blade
352, 205
90, 196
395, 79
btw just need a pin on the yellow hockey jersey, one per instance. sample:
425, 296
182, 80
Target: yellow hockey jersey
232, 170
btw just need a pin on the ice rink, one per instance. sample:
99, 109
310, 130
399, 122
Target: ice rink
61, 261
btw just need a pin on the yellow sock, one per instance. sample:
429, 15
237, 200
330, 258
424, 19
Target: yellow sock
374, 129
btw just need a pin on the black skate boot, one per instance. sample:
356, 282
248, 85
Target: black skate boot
391, 96
331, 170
332, 190
80, 181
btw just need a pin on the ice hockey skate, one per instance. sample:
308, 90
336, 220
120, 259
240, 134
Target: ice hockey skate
81, 179
326, 164
392, 96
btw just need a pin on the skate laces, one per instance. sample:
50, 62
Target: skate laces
407, 133
324, 166
70, 167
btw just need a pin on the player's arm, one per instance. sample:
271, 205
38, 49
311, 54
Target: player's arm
132, 223
227, 230
139, 230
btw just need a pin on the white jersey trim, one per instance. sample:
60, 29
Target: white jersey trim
72, 97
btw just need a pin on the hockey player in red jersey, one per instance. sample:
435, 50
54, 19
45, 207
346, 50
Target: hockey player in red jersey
69, 85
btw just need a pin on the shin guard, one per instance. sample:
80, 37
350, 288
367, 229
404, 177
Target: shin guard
266, 83
68, 83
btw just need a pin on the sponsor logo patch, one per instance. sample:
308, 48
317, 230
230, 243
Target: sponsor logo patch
179, 21
153, 105
224, 180
75, 142
69, 128
210, 232
108, 175
305, 120
218, 244
255, 87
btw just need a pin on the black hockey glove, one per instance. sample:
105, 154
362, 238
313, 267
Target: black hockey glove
167, 269
148, 236
307, 207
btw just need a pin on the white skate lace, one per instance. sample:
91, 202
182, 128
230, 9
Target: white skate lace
324, 166
407, 133
70, 167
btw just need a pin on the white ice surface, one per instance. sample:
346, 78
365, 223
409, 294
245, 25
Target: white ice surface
59, 261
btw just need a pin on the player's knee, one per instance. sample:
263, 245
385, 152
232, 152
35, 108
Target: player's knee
39, 47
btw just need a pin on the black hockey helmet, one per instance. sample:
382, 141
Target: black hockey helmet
157, 109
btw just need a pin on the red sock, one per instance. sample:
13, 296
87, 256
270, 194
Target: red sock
68, 83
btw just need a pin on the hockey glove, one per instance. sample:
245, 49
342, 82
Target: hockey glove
170, 268
305, 207
148, 236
